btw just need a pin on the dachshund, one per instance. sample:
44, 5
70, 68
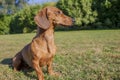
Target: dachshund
41, 50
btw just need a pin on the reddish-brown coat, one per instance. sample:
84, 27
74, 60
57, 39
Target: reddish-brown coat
42, 49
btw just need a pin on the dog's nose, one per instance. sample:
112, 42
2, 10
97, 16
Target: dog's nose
73, 20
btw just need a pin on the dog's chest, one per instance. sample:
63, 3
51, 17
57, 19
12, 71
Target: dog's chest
48, 54
44, 51
44, 48
50, 44
44, 60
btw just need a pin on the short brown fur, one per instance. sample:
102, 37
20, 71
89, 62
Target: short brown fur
42, 48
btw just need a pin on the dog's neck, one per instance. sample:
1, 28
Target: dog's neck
48, 36
45, 33
39, 31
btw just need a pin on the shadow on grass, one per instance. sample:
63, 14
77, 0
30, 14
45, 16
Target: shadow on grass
25, 69
7, 61
28, 72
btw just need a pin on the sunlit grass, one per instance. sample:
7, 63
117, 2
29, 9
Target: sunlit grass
81, 55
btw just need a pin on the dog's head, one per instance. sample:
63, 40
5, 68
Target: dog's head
52, 15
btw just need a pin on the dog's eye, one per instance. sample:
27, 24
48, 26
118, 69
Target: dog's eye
58, 12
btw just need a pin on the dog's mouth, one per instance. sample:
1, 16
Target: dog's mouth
61, 24
67, 23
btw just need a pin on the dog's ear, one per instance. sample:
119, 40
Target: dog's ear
41, 19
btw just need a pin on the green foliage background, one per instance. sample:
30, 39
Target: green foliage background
93, 14
4, 24
21, 21
79, 9
89, 14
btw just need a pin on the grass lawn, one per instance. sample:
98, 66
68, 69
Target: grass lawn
81, 55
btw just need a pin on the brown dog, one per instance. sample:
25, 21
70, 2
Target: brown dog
42, 49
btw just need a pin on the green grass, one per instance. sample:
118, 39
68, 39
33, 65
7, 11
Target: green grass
81, 55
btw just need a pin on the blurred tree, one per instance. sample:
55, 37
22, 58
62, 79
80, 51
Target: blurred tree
93, 14
23, 21
108, 13
80, 10
11, 6
8, 7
